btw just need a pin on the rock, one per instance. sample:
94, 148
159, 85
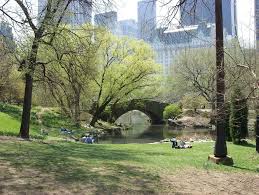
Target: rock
174, 123
197, 122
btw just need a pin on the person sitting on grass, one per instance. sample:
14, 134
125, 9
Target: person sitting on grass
179, 144
174, 142
89, 140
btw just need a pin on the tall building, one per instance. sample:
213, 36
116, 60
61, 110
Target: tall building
109, 20
257, 24
79, 12
194, 12
128, 28
147, 20
170, 42
6, 31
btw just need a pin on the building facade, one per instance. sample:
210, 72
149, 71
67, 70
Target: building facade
146, 20
195, 12
109, 20
6, 31
169, 43
128, 28
78, 13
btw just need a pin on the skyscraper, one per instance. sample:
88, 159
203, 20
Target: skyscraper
79, 12
147, 19
6, 30
109, 20
128, 28
194, 12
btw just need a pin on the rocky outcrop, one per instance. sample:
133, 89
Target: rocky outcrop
196, 122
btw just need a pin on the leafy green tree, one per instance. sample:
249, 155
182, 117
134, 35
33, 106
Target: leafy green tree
11, 81
126, 70
71, 63
52, 19
244, 118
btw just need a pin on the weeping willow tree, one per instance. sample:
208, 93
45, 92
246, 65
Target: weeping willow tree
126, 70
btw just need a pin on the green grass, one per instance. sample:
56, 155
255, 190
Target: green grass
10, 126
109, 168
52, 121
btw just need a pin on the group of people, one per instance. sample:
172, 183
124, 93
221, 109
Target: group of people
88, 139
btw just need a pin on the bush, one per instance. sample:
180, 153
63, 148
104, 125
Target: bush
238, 117
227, 123
172, 111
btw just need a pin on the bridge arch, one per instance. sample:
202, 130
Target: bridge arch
153, 109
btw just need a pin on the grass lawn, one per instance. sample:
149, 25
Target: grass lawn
52, 121
57, 167
63, 167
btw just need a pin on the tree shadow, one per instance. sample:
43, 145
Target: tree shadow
104, 170
246, 169
246, 144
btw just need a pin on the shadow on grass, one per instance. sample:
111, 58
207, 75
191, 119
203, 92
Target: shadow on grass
243, 168
250, 145
104, 170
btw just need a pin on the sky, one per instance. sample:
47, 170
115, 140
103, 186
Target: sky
246, 22
127, 9
245, 17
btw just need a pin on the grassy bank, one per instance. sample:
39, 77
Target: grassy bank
132, 168
51, 121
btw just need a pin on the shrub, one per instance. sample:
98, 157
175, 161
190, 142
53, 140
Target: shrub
227, 123
238, 122
244, 118
172, 111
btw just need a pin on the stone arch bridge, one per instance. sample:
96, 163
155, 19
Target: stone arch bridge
153, 109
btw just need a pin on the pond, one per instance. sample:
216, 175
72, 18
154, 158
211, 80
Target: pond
155, 133
142, 131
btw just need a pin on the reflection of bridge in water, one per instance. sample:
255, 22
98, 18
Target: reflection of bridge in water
153, 109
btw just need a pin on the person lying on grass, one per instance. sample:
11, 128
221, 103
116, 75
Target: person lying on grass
179, 144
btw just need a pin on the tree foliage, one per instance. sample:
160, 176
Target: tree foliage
126, 70
71, 63
172, 111
11, 83
238, 116
194, 71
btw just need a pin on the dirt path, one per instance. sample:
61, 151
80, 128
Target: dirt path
212, 182
29, 181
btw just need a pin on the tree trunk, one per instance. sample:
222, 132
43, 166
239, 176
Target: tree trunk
77, 111
94, 119
220, 145
25, 123
99, 110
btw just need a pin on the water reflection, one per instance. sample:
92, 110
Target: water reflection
143, 132
156, 133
